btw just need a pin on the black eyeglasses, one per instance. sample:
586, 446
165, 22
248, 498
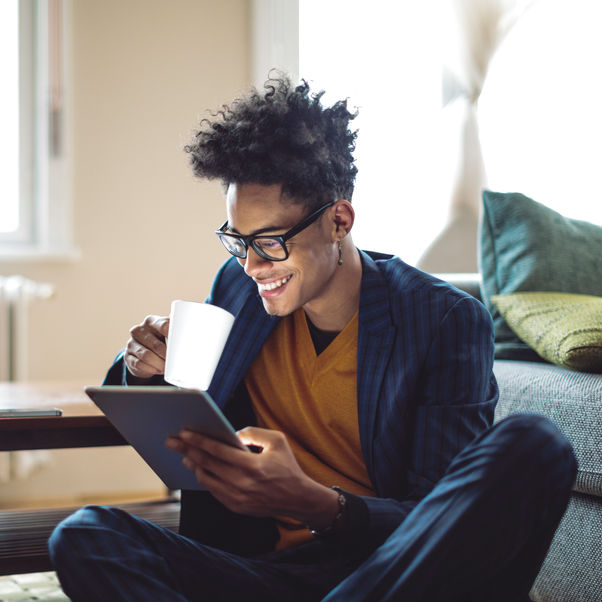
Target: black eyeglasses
268, 247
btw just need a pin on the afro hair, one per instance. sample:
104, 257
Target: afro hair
281, 136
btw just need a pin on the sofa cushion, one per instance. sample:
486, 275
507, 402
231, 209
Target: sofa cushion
563, 328
573, 400
526, 246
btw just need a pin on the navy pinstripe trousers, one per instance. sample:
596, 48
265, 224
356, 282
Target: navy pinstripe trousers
479, 536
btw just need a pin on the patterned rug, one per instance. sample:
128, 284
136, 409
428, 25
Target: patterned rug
30, 587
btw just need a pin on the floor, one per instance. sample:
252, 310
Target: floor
30, 587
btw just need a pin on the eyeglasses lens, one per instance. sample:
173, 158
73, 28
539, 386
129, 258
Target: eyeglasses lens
270, 248
233, 245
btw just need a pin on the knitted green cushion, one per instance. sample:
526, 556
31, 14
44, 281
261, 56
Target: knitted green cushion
563, 328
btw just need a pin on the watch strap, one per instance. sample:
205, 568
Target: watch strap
338, 519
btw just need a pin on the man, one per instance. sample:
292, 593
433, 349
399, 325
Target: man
365, 384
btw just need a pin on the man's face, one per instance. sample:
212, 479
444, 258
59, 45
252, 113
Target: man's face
305, 276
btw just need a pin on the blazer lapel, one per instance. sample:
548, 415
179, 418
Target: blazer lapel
376, 334
251, 328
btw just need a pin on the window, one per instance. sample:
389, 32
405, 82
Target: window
539, 115
384, 56
367, 52
10, 220
34, 205
539, 111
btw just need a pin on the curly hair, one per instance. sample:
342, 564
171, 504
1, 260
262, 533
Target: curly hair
281, 136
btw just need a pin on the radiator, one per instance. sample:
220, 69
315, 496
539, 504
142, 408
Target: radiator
16, 294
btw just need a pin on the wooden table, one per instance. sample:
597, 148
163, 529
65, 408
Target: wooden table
82, 424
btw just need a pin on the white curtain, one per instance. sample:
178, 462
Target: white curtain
474, 30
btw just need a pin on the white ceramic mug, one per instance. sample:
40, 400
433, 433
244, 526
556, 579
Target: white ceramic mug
197, 336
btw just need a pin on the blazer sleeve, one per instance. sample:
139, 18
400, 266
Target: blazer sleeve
456, 394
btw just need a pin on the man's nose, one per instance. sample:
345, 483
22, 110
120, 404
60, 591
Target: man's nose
253, 263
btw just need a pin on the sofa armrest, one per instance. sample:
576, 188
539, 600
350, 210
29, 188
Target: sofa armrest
571, 399
467, 282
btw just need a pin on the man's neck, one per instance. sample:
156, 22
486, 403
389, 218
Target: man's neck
334, 311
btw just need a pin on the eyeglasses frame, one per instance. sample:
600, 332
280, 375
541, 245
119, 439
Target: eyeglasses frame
248, 241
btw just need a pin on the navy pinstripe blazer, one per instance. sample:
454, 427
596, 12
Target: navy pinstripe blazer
425, 385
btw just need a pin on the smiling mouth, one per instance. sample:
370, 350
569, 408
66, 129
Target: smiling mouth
273, 285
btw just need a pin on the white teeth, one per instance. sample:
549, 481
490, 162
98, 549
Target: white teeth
273, 285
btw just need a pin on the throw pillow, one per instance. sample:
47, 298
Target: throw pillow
526, 246
564, 329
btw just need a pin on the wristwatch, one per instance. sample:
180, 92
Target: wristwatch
338, 519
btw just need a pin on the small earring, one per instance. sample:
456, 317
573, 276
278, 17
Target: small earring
340, 261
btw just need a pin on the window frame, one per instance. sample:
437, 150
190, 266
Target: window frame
274, 39
45, 209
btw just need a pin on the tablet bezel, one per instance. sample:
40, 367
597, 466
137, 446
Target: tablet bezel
145, 416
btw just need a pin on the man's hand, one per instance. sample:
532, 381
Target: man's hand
269, 483
145, 350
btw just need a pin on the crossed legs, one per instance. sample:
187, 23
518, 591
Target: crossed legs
103, 553
483, 532
480, 535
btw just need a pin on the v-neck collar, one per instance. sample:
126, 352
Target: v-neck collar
324, 360
320, 338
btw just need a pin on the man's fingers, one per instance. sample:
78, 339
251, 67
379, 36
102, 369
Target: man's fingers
262, 484
146, 350
158, 324
210, 470
210, 463
150, 338
162, 325
140, 368
239, 468
264, 438
175, 444
224, 490
146, 356
228, 453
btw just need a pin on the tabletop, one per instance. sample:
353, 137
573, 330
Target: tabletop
81, 424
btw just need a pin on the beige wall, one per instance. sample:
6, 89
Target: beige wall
144, 73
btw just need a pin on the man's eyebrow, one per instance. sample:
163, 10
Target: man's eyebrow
260, 230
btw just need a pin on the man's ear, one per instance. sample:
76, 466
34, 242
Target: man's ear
343, 216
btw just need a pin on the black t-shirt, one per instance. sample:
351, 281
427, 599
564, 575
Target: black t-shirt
320, 338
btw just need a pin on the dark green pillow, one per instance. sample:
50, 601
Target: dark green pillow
564, 329
525, 246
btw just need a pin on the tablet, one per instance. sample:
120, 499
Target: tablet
28, 412
146, 416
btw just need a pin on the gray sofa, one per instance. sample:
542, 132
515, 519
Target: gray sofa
572, 570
